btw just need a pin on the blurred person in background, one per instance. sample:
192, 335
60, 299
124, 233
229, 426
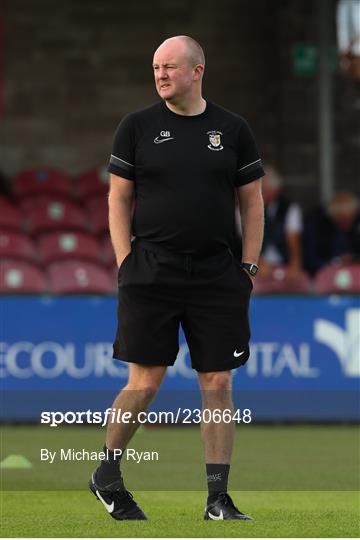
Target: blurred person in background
332, 233
348, 36
283, 228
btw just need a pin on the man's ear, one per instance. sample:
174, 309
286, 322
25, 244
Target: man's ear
198, 72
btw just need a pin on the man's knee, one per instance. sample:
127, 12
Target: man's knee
145, 379
145, 393
215, 380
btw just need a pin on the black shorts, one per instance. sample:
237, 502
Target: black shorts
208, 296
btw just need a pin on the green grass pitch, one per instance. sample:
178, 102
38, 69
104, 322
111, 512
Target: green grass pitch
179, 514
296, 481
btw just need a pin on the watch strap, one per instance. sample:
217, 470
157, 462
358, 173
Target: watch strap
251, 268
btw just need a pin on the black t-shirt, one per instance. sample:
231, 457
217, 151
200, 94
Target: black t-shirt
185, 169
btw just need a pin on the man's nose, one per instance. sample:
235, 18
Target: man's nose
162, 74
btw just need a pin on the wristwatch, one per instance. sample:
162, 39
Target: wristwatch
251, 268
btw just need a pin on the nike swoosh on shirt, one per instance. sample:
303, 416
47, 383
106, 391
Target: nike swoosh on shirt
109, 507
236, 354
220, 516
158, 141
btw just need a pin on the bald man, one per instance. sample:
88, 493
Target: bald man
332, 233
181, 159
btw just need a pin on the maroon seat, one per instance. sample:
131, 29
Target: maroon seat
277, 284
45, 181
58, 246
21, 277
27, 204
55, 215
15, 245
108, 254
98, 215
79, 277
114, 274
10, 216
92, 182
343, 278
97, 210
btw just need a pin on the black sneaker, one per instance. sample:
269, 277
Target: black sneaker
118, 502
224, 508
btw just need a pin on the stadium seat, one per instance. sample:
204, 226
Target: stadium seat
92, 182
10, 216
58, 246
98, 215
19, 277
79, 277
277, 284
42, 182
35, 201
97, 210
55, 215
15, 245
343, 278
114, 274
108, 254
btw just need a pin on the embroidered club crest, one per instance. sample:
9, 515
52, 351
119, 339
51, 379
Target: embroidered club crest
215, 140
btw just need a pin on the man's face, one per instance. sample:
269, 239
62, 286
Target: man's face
173, 72
343, 210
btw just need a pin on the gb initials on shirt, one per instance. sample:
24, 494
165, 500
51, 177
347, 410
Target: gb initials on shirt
163, 137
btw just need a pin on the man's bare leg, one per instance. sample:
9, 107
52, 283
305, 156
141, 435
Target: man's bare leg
217, 437
106, 482
218, 441
136, 396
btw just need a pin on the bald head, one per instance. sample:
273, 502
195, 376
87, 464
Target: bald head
184, 45
343, 208
343, 202
178, 66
